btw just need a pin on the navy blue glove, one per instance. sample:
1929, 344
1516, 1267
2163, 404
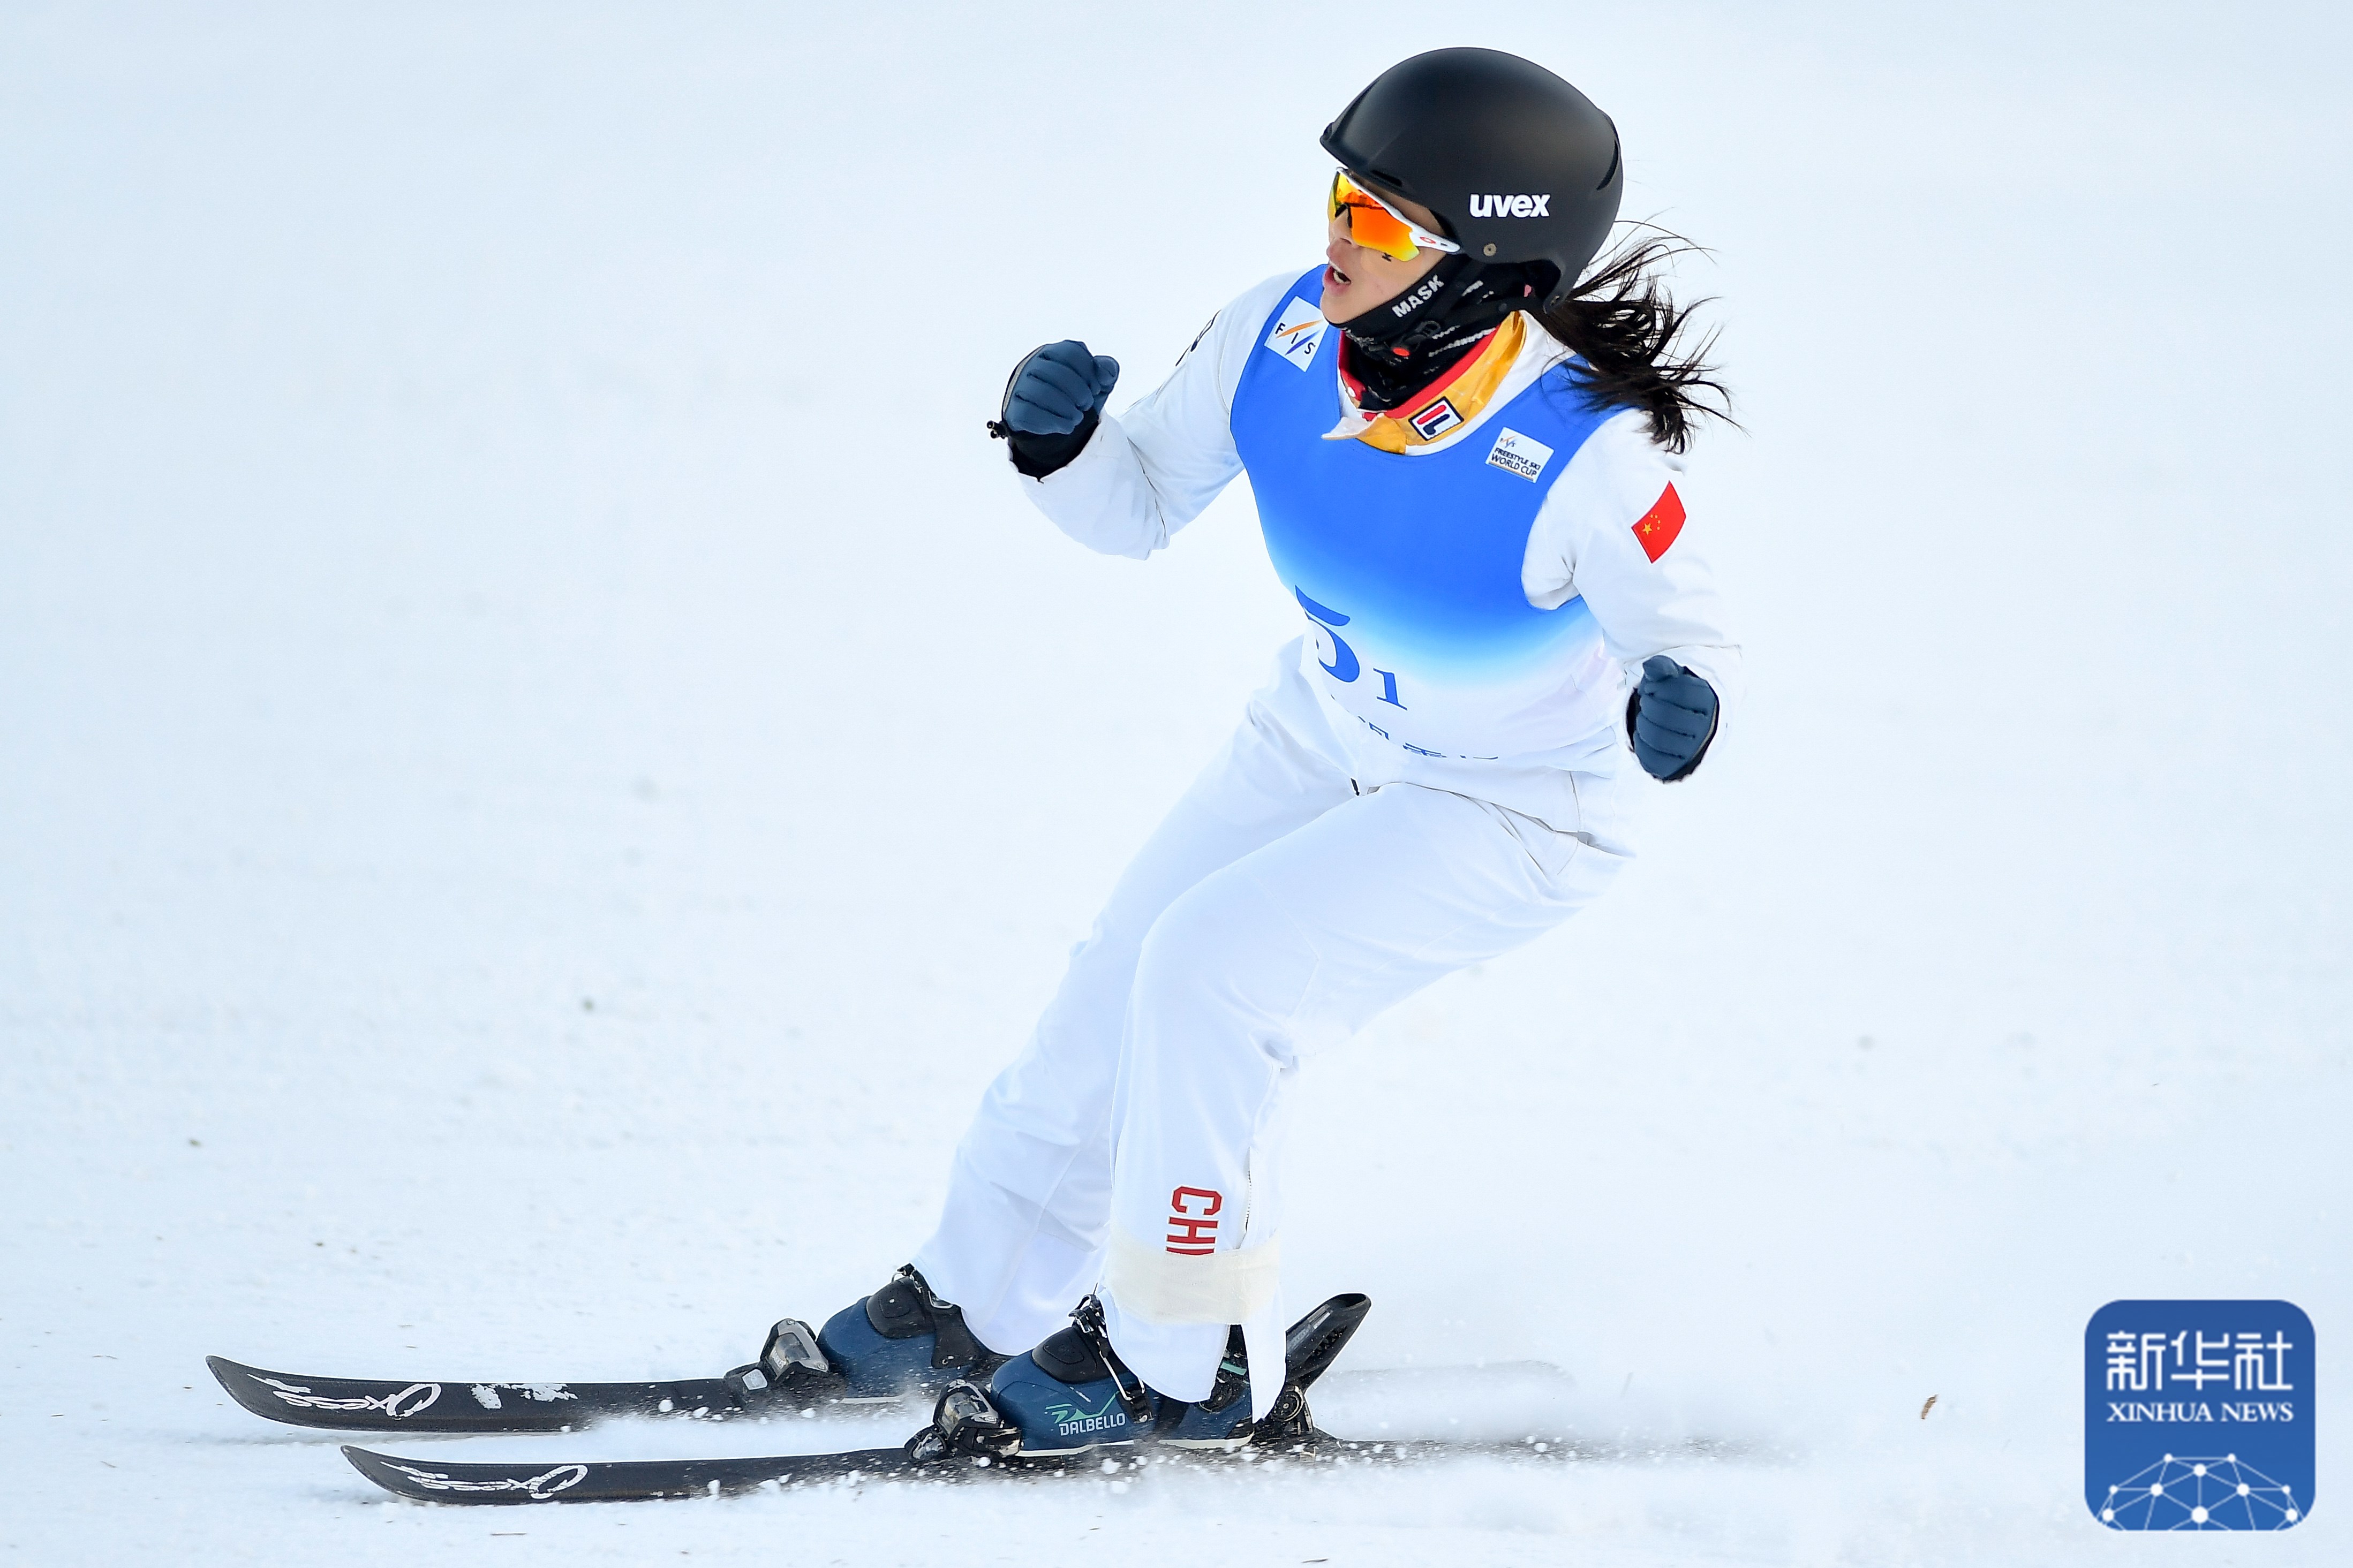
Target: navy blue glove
1052, 392
1670, 718
1053, 400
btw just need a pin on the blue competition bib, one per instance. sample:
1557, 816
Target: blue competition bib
1408, 564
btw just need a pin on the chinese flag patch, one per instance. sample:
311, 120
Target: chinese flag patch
1657, 528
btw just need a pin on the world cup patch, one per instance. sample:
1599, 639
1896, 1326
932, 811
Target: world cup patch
1435, 420
1298, 333
1517, 454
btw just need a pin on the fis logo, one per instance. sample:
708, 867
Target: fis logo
1512, 206
1297, 333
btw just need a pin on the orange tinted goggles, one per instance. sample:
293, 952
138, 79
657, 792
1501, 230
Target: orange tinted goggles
1377, 225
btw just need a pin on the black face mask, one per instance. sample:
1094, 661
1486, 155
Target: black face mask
1397, 349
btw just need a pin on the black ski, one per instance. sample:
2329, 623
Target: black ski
1311, 1346
630, 1479
788, 1377
638, 1480
366, 1404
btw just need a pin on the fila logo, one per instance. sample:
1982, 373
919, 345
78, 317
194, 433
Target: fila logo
1512, 206
1192, 1233
1435, 420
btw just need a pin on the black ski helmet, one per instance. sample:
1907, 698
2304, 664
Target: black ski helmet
1517, 165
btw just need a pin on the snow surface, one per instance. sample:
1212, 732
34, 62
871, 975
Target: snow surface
543, 762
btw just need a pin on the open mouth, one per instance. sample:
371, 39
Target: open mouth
1339, 276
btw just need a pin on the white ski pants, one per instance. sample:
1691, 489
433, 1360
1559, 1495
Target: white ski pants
1287, 898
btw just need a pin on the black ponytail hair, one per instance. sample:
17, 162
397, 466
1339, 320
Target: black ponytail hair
1630, 332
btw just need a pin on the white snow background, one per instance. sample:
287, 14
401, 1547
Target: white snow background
543, 760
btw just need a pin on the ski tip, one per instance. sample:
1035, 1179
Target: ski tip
247, 1385
385, 1470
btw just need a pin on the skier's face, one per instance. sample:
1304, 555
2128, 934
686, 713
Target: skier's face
1357, 278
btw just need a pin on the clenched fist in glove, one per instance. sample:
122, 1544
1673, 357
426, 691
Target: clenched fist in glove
1052, 402
1670, 718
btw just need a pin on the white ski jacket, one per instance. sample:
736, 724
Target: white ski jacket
1151, 470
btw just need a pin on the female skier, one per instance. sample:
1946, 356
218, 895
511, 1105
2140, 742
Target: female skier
1464, 450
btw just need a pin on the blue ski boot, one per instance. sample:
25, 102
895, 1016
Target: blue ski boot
1072, 1393
901, 1340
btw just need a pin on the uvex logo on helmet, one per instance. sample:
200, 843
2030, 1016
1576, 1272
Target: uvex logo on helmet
1512, 206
